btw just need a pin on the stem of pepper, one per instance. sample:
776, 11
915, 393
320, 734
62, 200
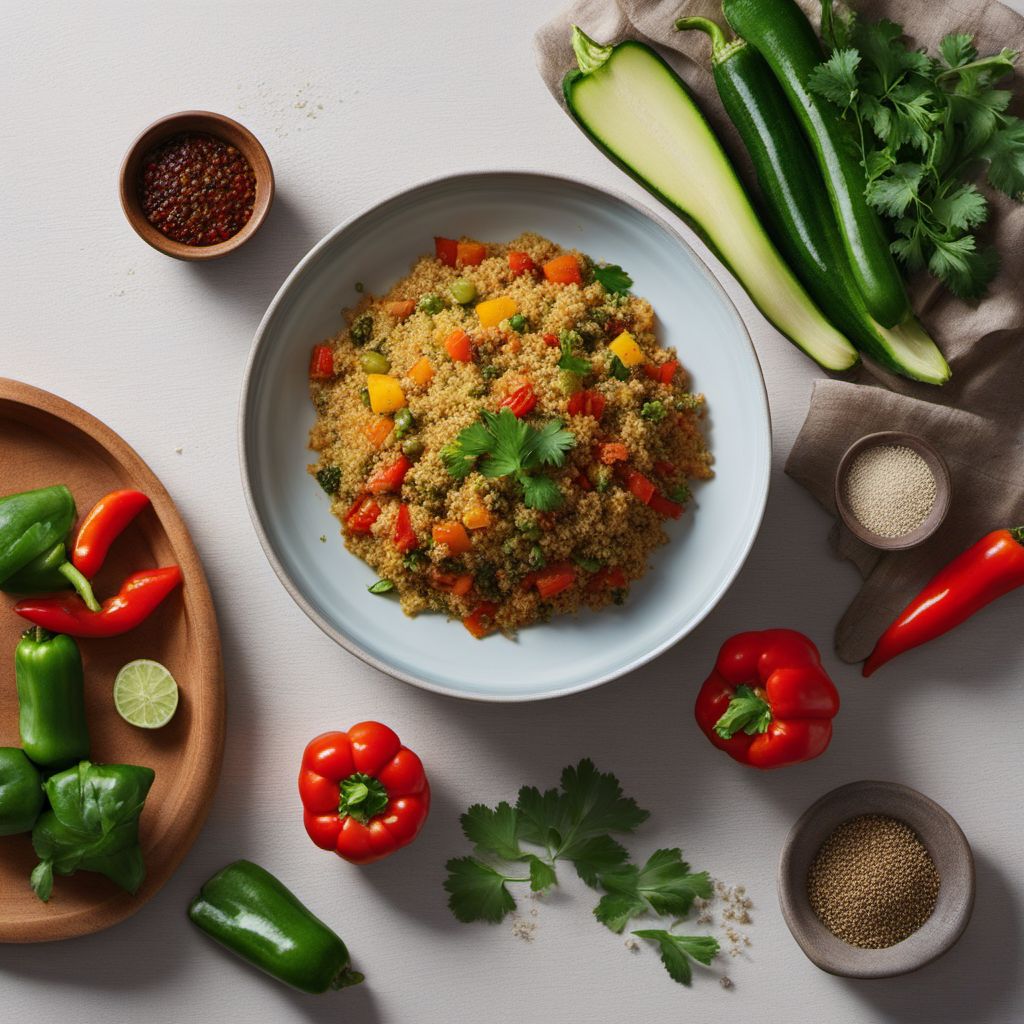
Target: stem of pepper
362, 797
81, 585
748, 710
1017, 533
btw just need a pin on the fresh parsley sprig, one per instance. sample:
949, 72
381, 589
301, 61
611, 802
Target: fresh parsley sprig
924, 126
614, 279
503, 445
573, 824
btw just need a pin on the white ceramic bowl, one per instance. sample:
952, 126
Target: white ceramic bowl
290, 512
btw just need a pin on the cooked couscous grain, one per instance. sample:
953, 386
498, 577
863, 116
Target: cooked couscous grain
482, 447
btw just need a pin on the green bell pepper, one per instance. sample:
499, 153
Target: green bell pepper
51, 698
21, 792
33, 558
31, 523
92, 825
246, 909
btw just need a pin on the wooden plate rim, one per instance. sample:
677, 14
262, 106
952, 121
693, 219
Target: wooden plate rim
208, 747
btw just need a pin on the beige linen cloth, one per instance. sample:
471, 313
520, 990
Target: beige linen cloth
977, 420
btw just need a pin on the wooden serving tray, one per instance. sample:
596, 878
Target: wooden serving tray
45, 440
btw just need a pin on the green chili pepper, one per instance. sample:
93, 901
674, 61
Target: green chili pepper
31, 523
246, 909
21, 792
51, 698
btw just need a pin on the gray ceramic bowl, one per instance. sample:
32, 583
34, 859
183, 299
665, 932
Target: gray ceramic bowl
945, 843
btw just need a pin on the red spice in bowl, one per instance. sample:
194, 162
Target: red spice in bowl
197, 189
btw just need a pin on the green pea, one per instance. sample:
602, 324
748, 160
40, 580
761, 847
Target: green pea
412, 448
431, 304
517, 323
364, 397
404, 422
463, 291
374, 362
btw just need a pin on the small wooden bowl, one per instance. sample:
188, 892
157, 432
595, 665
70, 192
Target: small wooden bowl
945, 843
943, 490
212, 124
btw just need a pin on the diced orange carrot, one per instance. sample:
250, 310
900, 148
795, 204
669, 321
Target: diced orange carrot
421, 372
459, 346
564, 269
400, 308
612, 451
477, 518
378, 429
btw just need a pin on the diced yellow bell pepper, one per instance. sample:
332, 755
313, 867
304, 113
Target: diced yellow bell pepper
477, 518
626, 348
492, 311
386, 394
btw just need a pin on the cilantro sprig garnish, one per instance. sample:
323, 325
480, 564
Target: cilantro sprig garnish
569, 362
614, 279
924, 126
503, 445
575, 824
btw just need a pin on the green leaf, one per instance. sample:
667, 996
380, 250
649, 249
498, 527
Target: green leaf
511, 438
618, 369
894, 191
614, 279
571, 363
476, 891
41, 880
962, 267
595, 803
665, 883
616, 909
836, 79
964, 208
548, 446
957, 49
493, 830
836, 28
542, 875
459, 457
1005, 154
594, 856
747, 712
540, 492
381, 587
676, 951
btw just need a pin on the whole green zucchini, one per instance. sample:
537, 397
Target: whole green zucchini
636, 109
781, 33
798, 208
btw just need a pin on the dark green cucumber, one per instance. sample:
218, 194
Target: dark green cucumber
781, 33
636, 109
798, 209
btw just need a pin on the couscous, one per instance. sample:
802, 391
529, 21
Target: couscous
501, 435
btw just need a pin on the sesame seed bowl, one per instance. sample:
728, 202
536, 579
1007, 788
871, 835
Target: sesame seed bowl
945, 849
877, 503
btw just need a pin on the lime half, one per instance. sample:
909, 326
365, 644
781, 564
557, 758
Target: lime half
145, 694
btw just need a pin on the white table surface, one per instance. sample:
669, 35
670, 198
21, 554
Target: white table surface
354, 102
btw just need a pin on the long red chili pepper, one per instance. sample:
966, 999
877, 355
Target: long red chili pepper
138, 597
988, 569
102, 526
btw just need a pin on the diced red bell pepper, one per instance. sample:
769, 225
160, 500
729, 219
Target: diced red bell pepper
404, 535
663, 373
615, 327
639, 486
454, 536
551, 340
521, 263
321, 363
362, 515
607, 578
554, 579
521, 401
584, 483
480, 621
458, 584
564, 269
388, 479
459, 346
586, 403
447, 250
664, 469
471, 254
666, 507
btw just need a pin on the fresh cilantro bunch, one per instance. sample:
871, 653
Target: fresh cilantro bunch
503, 445
924, 127
574, 824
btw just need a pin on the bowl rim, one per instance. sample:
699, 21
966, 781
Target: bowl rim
470, 179
932, 822
943, 489
214, 124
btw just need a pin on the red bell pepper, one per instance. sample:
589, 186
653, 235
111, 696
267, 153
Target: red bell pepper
480, 621
362, 515
608, 577
768, 702
102, 526
987, 570
663, 373
521, 263
586, 403
321, 363
554, 579
388, 479
363, 794
666, 507
522, 401
133, 604
446, 250
404, 535
639, 486
471, 254
551, 340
